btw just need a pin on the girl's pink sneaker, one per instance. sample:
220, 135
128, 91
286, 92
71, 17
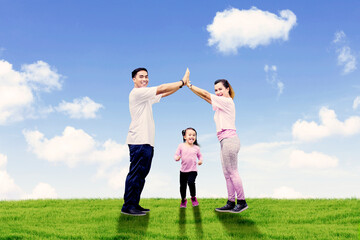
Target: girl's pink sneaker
183, 204
194, 202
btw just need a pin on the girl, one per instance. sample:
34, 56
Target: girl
188, 152
224, 107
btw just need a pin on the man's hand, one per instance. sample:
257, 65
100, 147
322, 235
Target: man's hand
186, 77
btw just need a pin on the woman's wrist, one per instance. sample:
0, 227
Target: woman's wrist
182, 83
190, 85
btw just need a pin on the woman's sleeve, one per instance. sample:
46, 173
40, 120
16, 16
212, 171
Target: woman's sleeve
219, 102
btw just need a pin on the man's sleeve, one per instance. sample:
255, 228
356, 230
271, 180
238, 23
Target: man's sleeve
144, 94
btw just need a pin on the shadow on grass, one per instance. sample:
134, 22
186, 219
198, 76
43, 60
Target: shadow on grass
129, 227
198, 224
238, 226
197, 220
182, 222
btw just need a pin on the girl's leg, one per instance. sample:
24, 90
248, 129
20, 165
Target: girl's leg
191, 183
183, 184
229, 149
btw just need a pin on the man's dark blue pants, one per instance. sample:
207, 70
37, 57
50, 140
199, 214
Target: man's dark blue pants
140, 163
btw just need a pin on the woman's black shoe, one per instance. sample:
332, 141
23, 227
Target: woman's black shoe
227, 208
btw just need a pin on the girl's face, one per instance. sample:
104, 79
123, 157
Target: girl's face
220, 90
190, 136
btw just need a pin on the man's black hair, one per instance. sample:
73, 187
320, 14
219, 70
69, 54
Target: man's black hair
133, 74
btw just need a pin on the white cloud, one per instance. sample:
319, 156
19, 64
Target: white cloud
156, 181
41, 76
286, 193
74, 146
117, 177
356, 102
271, 78
339, 37
234, 28
80, 108
8, 188
3, 161
345, 57
42, 191
280, 87
300, 159
263, 147
17, 88
329, 126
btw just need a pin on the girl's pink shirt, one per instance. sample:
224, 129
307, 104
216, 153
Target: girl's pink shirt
188, 155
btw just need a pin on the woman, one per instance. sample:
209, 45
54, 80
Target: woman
224, 107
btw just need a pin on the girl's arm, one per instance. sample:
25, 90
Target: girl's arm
199, 156
200, 92
177, 153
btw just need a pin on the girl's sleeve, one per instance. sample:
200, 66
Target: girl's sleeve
178, 152
199, 155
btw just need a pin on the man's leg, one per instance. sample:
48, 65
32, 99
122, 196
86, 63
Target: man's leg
140, 158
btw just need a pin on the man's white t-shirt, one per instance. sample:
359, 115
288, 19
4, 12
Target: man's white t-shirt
142, 126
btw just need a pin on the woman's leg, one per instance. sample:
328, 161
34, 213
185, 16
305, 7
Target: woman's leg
229, 153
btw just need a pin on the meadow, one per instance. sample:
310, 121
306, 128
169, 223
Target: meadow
101, 219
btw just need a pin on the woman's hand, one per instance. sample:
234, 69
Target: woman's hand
200, 162
186, 77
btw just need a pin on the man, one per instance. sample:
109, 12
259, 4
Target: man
141, 135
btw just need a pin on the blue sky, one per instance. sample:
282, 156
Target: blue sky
65, 76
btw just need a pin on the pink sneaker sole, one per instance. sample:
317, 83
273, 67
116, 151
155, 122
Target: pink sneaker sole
183, 204
195, 203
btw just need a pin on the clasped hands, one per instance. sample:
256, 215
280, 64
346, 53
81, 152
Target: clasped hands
186, 78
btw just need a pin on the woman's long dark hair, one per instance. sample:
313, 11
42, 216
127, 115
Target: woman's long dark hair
184, 132
226, 85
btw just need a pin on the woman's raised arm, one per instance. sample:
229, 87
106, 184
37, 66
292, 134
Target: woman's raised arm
200, 92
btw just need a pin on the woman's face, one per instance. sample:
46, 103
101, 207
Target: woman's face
220, 90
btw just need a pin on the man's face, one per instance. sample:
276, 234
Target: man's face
141, 79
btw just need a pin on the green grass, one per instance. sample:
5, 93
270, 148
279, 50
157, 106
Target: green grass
101, 219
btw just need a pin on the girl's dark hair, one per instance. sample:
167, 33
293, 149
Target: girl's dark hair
226, 85
133, 73
184, 132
